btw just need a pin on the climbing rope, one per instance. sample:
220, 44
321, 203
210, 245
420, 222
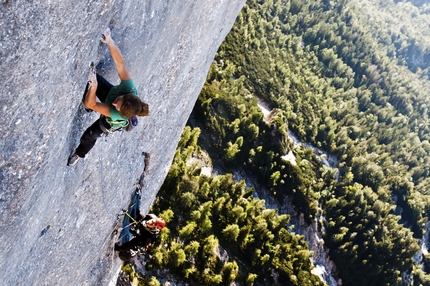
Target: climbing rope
116, 220
97, 256
109, 236
132, 206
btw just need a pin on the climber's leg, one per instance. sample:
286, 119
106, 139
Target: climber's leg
90, 136
103, 88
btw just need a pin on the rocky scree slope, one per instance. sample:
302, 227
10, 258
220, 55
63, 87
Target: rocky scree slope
56, 220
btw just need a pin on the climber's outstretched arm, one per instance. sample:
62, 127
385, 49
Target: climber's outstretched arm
90, 98
116, 55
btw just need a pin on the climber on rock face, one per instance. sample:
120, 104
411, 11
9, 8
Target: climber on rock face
118, 104
145, 230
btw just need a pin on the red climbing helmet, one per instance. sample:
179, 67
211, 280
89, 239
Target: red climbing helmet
160, 223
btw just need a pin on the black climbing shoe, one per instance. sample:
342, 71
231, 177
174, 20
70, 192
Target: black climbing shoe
83, 98
73, 160
92, 70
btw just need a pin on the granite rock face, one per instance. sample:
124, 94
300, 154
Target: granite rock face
57, 221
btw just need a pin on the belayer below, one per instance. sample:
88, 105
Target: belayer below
118, 104
145, 231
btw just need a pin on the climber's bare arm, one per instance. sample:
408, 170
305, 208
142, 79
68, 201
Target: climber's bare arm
90, 98
116, 55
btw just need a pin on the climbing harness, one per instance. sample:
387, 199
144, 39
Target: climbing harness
134, 221
130, 225
111, 129
129, 221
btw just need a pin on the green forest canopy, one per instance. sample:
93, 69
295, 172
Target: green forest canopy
210, 215
352, 78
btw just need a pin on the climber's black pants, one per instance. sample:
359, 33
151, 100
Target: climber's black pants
103, 88
90, 136
135, 243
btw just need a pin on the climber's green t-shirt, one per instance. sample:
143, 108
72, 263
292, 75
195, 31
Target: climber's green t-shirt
126, 86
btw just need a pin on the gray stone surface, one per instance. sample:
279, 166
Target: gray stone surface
56, 221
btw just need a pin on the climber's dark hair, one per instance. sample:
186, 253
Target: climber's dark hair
132, 106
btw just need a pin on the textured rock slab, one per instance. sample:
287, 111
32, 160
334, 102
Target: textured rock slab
57, 221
